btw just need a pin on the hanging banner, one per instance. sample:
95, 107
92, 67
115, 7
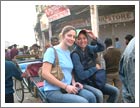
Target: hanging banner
54, 12
115, 18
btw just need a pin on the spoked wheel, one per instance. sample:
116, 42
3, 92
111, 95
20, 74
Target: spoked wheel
19, 90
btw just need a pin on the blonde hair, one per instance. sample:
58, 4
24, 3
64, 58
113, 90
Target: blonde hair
65, 30
60, 36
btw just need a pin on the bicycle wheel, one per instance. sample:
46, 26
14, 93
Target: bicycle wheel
19, 90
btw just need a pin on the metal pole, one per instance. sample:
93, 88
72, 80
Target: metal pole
94, 19
43, 40
50, 31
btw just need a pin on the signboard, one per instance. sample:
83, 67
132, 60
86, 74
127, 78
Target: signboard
115, 18
44, 22
54, 12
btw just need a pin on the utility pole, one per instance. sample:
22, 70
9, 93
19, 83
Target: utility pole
94, 19
50, 31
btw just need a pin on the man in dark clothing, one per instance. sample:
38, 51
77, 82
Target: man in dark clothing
54, 40
10, 71
128, 38
14, 51
112, 57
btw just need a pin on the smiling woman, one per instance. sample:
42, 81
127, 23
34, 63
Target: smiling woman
18, 23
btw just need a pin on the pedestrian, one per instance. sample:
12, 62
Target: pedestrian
128, 37
54, 40
14, 51
117, 43
21, 51
26, 50
10, 71
7, 53
35, 50
52, 86
112, 58
127, 73
85, 65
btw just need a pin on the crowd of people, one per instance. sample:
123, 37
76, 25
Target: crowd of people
78, 68
12, 51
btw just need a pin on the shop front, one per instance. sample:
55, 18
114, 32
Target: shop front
114, 20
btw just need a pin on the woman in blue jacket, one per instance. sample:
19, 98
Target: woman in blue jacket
83, 70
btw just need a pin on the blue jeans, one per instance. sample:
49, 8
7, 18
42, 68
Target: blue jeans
84, 96
96, 92
113, 93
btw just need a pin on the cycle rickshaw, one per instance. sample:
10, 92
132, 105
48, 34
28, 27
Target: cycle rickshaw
29, 66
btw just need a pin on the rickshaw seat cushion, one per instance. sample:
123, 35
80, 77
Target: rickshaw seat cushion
40, 84
32, 69
23, 66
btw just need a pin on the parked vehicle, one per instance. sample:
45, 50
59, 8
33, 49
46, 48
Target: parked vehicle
29, 66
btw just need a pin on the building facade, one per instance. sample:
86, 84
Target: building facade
113, 21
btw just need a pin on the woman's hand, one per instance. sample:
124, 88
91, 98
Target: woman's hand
98, 66
78, 85
91, 34
71, 89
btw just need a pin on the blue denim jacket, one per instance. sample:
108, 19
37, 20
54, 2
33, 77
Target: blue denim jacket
127, 72
80, 72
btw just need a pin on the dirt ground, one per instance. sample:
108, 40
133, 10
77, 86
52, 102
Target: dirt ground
28, 97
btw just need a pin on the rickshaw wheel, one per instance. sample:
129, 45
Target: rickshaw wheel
19, 90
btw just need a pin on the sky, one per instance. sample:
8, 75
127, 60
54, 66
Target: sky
18, 21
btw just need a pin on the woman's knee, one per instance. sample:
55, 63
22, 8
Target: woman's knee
82, 100
98, 93
91, 97
88, 95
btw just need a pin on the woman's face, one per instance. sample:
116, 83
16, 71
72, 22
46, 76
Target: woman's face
82, 41
69, 37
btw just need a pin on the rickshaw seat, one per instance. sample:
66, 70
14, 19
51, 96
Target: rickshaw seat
32, 69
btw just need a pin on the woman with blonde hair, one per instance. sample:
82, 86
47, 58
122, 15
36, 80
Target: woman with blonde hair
52, 86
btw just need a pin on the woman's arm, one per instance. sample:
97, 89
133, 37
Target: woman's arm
76, 84
48, 60
79, 69
73, 80
100, 46
46, 69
